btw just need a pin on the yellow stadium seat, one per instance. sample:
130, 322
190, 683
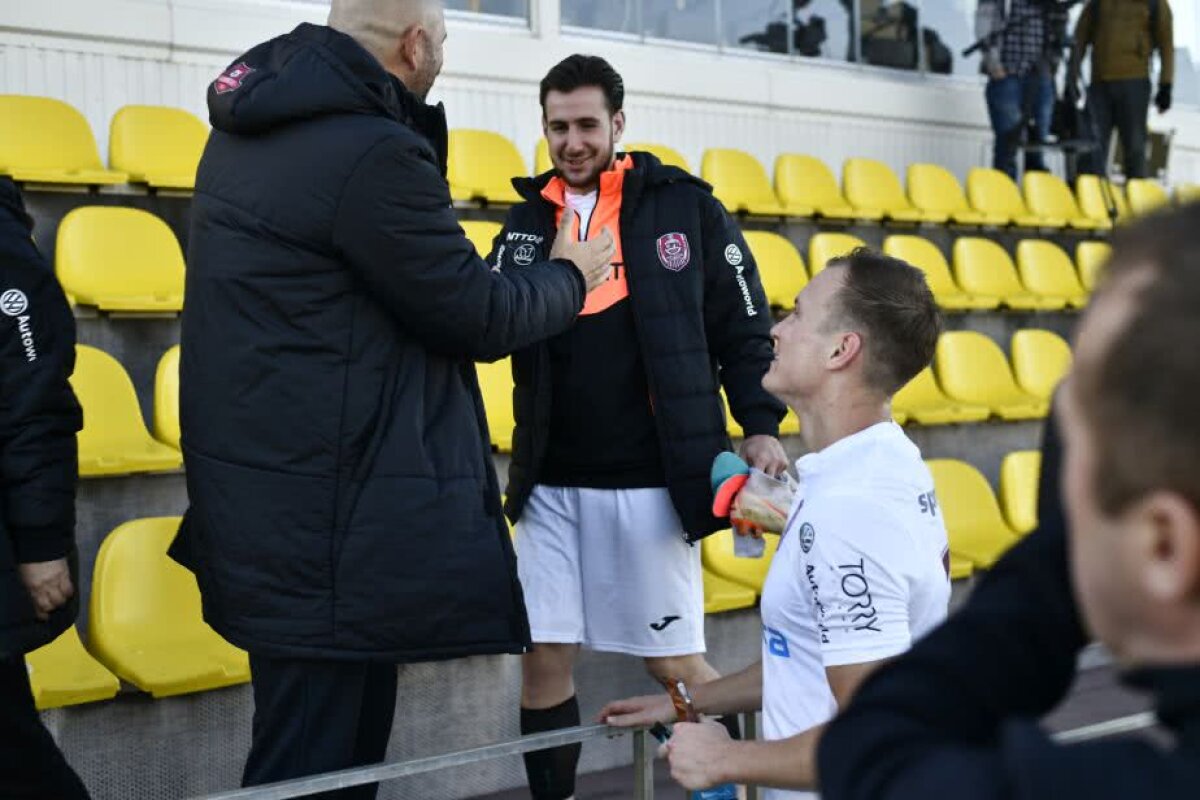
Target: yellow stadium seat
960, 568
119, 260
481, 166
740, 182
779, 266
542, 162
1040, 360
1145, 196
725, 595
984, 268
971, 368
47, 141
788, 426
1019, 476
114, 439
716, 553
481, 233
824, 247
667, 155
805, 184
1187, 193
166, 398
871, 185
1049, 196
1095, 193
921, 400
1046, 270
496, 386
62, 673
1090, 257
925, 255
976, 529
935, 189
993, 193
145, 621
158, 146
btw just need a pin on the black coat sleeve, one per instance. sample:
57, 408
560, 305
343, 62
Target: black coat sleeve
737, 321
931, 722
39, 414
399, 235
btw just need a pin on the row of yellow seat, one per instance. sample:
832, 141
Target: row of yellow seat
980, 527
145, 627
43, 140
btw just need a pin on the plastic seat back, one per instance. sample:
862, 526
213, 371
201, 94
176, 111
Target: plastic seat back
496, 386
1049, 196
934, 188
982, 266
824, 247
1090, 258
716, 553
1187, 193
667, 155
481, 166
974, 524
1145, 196
119, 259
157, 145
806, 181
1020, 473
482, 234
779, 266
925, 256
1040, 360
114, 439
739, 181
971, 368
872, 184
146, 622
62, 673
166, 398
919, 393
992, 192
1046, 269
42, 139
1095, 194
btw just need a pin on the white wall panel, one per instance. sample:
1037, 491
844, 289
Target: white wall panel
102, 54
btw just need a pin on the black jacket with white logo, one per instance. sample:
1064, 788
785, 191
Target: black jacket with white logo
39, 416
702, 325
343, 498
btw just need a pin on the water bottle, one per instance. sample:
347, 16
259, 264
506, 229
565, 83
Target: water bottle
726, 791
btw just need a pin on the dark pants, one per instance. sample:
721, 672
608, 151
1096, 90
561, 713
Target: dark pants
1123, 105
319, 716
31, 765
1012, 103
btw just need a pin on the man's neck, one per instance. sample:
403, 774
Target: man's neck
830, 418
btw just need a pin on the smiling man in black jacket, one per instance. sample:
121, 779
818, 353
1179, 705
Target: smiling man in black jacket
345, 514
953, 716
618, 419
38, 471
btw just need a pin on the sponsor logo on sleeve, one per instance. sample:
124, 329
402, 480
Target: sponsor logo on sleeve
14, 303
524, 255
733, 254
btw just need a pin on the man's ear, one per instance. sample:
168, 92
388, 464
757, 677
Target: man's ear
618, 123
1166, 543
847, 348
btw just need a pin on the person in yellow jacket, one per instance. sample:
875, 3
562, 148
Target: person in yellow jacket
1123, 35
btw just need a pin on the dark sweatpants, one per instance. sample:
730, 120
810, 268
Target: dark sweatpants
319, 716
1122, 105
31, 765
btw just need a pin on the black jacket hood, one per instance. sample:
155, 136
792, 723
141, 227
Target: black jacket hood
311, 72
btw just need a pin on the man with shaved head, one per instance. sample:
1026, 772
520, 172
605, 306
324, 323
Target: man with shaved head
345, 514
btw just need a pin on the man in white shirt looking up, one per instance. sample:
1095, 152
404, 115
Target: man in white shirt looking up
862, 569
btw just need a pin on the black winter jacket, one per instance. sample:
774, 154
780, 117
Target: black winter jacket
702, 326
955, 716
343, 498
39, 417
